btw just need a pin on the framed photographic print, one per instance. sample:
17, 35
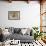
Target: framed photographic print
13, 15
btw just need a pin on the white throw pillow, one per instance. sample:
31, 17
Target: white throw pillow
28, 31
23, 31
5, 32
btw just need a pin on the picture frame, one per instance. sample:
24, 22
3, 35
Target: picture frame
13, 15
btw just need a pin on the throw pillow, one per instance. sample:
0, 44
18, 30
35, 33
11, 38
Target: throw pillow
11, 30
17, 30
5, 32
23, 31
28, 31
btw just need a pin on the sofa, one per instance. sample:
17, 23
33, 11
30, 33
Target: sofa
22, 34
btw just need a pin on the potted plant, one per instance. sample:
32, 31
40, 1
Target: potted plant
37, 33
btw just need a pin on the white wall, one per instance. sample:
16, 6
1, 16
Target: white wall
29, 14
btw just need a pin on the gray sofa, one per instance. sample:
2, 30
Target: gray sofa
22, 38
17, 35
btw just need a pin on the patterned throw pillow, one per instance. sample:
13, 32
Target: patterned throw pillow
17, 30
11, 30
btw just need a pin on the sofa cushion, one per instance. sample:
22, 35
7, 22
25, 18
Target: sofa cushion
20, 37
